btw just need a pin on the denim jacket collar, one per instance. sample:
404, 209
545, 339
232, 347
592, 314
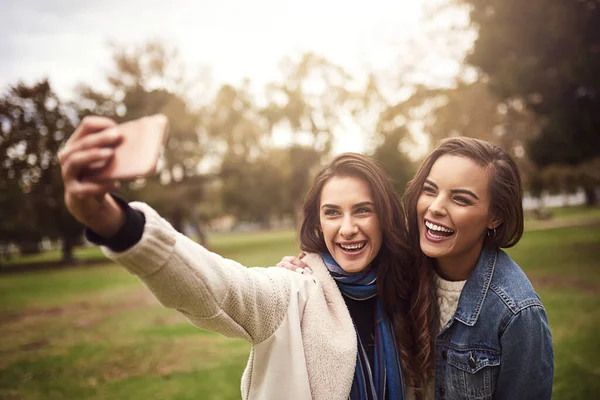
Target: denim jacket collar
476, 287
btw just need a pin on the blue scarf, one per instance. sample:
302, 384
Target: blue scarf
387, 380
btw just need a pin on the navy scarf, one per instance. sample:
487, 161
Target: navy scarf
387, 380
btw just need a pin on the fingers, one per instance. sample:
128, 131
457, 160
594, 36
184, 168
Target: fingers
294, 264
105, 139
297, 262
91, 124
76, 162
85, 189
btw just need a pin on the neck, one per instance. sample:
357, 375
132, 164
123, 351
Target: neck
458, 268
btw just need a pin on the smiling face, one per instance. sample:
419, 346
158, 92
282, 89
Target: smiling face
454, 215
349, 223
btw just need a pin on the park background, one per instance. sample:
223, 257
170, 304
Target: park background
259, 95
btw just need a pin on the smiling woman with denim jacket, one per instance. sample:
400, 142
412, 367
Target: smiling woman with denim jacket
464, 205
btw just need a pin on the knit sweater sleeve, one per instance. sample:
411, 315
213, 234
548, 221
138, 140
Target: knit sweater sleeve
213, 293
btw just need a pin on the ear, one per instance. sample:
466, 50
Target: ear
495, 222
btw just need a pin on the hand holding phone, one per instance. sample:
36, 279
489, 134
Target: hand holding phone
137, 154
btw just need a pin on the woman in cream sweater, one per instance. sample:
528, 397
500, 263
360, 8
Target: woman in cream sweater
354, 328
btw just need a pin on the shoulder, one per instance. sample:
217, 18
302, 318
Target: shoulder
512, 286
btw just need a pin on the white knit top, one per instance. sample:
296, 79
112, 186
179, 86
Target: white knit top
447, 296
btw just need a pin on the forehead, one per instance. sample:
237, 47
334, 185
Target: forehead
345, 190
459, 172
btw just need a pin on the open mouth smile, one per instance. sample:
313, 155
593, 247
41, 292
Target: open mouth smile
355, 247
438, 231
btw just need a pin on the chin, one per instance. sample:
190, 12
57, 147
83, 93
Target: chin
430, 250
353, 268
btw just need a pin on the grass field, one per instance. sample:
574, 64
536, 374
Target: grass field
96, 333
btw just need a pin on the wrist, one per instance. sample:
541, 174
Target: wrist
109, 219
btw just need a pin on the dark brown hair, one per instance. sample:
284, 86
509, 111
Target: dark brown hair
397, 275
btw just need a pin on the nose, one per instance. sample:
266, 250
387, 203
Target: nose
348, 228
437, 206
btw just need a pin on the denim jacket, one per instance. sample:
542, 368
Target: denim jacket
498, 344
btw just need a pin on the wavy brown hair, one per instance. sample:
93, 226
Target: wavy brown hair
506, 198
397, 273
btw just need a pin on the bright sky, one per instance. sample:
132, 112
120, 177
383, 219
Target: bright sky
66, 40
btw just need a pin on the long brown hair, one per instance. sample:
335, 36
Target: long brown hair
506, 201
396, 273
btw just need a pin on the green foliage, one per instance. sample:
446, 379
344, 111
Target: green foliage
35, 124
254, 190
545, 53
395, 163
147, 80
308, 100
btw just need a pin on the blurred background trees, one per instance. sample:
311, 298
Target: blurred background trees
530, 84
546, 55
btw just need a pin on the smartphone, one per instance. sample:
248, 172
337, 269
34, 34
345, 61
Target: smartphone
137, 154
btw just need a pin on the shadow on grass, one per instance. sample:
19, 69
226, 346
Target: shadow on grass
48, 265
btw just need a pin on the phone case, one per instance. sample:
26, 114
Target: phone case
137, 154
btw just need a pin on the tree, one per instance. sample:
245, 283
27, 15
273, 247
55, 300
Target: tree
35, 124
395, 162
150, 79
308, 102
471, 109
254, 190
546, 54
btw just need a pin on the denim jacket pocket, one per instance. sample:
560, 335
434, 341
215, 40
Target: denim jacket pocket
473, 372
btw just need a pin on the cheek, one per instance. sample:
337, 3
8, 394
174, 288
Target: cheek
373, 227
328, 230
422, 207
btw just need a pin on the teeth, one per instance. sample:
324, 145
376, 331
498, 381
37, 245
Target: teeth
352, 246
438, 228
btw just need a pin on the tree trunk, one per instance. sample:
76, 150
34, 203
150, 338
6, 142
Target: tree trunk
68, 243
591, 199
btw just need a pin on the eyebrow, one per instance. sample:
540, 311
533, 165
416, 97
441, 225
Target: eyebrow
358, 205
454, 191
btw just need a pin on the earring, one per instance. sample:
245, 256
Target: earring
490, 235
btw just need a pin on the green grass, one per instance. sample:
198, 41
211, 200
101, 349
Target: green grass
81, 253
564, 216
563, 264
96, 333
575, 212
249, 245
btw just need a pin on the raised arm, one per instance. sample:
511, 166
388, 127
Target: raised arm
212, 292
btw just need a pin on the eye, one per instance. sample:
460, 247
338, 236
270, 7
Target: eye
428, 190
462, 200
363, 210
330, 212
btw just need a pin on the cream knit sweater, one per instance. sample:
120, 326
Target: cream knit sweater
447, 295
303, 339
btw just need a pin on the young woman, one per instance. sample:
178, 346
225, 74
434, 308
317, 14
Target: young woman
493, 340
333, 334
